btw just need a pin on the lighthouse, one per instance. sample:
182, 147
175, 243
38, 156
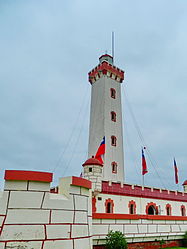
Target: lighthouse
106, 117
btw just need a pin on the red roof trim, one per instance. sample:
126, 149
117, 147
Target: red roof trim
136, 217
92, 161
137, 191
21, 175
105, 55
78, 181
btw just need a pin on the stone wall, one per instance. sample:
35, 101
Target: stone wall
33, 218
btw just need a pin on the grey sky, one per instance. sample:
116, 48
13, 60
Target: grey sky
46, 51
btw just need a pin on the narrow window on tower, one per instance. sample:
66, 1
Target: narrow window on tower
114, 167
113, 93
113, 116
113, 140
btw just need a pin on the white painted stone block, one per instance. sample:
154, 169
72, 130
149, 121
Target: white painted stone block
123, 221
147, 222
175, 228
183, 228
58, 201
24, 245
1, 220
25, 199
108, 221
116, 228
163, 228
152, 228
81, 217
130, 228
159, 221
81, 202
58, 231
79, 231
85, 191
27, 216
136, 221
15, 185
59, 244
82, 243
142, 228
3, 202
100, 229
90, 226
75, 190
2, 245
62, 216
23, 232
40, 186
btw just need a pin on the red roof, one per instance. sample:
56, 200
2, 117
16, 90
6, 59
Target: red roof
92, 161
185, 183
105, 55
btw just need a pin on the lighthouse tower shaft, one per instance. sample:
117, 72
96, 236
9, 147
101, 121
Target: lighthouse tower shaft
106, 117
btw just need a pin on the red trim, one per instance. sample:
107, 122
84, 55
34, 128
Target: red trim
78, 181
105, 67
21, 175
134, 207
94, 205
136, 217
138, 191
111, 202
92, 161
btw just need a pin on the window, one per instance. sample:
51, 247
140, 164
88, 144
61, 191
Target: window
132, 207
113, 93
113, 140
183, 210
168, 209
113, 116
109, 205
151, 209
114, 167
90, 169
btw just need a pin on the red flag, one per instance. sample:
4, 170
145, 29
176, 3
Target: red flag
176, 172
100, 151
144, 165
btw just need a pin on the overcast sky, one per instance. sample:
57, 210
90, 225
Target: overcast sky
46, 50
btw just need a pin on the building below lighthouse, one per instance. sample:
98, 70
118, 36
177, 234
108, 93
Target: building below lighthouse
80, 211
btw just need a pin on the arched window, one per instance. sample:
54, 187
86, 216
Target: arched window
151, 209
113, 140
114, 167
183, 210
109, 206
132, 207
168, 209
113, 116
112, 93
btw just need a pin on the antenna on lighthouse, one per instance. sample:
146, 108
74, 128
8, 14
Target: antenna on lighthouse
113, 45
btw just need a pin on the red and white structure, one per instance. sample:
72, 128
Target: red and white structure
80, 212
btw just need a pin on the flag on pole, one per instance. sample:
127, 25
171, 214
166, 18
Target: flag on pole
144, 165
101, 151
176, 172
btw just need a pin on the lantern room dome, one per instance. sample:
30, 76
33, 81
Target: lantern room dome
92, 161
185, 183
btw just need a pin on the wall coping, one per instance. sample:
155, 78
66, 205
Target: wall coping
22, 175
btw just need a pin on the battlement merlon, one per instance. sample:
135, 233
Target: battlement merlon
107, 68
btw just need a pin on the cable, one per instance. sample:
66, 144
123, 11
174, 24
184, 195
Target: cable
72, 133
141, 137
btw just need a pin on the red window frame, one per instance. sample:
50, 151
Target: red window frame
168, 209
113, 116
114, 167
132, 207
109, 206
113, 93
113, 140
183, 210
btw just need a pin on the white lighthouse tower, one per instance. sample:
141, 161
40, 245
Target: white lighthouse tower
106, 117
